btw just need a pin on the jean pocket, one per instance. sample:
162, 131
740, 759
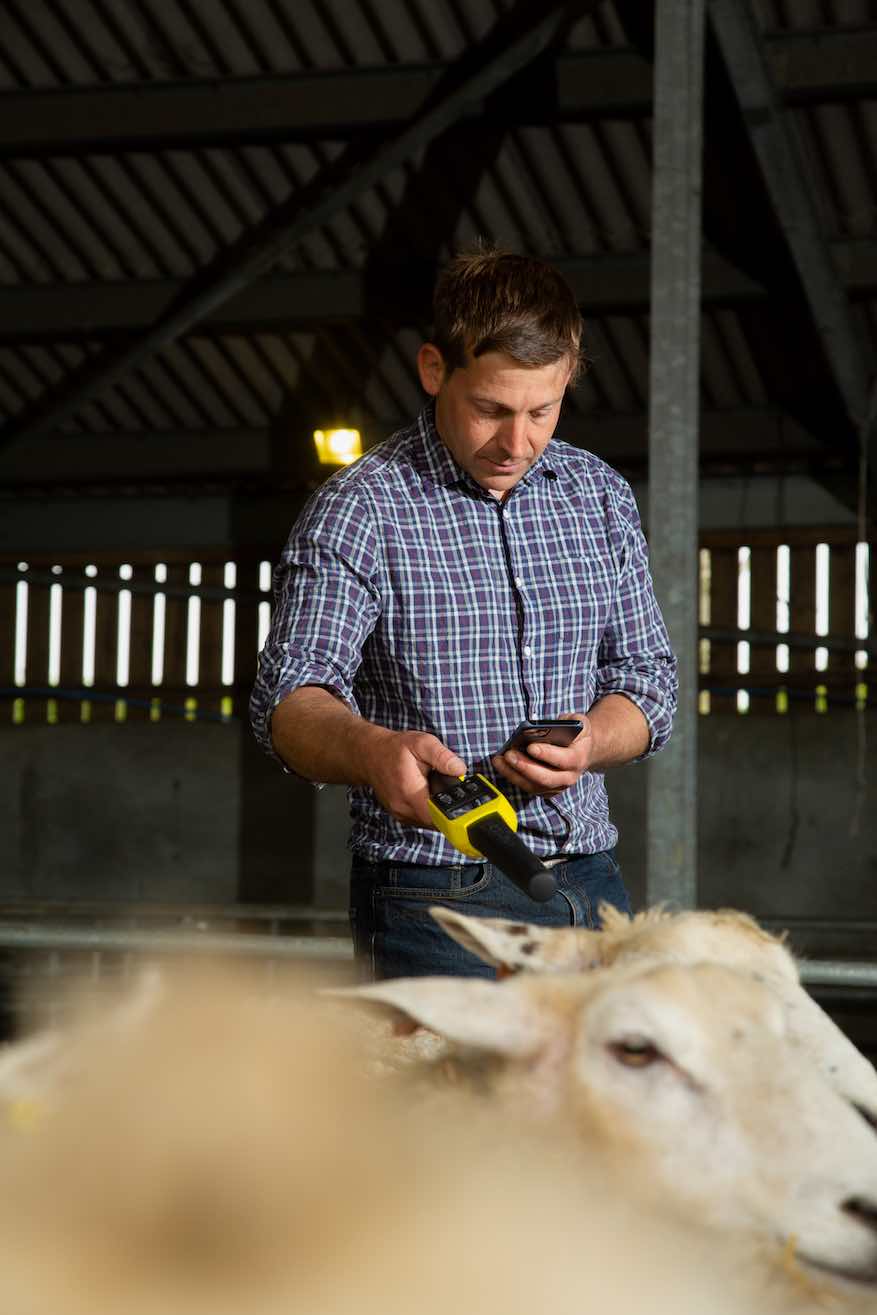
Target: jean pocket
410, 882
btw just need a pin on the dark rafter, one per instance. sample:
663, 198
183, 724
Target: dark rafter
787, 186
392, 290
807, 68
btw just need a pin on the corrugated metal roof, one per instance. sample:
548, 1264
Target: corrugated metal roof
80, 221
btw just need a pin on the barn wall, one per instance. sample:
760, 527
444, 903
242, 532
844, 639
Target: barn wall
193, 812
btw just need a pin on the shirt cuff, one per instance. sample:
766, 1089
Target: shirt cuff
261, 716
659, 720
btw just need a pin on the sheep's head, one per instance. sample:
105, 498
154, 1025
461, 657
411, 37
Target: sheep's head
723, 936
682, 1075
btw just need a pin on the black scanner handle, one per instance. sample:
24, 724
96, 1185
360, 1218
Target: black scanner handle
499, 844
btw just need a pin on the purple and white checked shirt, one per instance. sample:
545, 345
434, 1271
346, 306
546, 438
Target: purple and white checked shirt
427, 604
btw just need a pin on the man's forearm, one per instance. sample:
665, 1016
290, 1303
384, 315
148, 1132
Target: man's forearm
321, 739
620, 732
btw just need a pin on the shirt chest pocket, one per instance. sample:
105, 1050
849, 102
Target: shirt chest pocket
566, 599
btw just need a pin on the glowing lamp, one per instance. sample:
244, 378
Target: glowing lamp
337, 447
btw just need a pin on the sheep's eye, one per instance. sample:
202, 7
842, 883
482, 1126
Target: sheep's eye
635, 1052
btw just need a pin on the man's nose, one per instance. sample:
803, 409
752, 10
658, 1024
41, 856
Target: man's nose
513, 436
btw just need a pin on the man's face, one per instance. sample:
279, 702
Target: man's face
496, 417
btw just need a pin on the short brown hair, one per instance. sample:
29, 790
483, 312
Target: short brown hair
491, 300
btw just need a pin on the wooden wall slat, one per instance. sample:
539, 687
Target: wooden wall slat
724, 575
72, 628
802, 616
842, 608
37, 671
210, 646
140, 664
8, 605
762, 616
175, 635
106, 643
246, 634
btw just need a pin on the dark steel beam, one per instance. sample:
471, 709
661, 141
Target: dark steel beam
516, 41
605, 284
674, 432
779, 158
806, 67
741, 222
739, 436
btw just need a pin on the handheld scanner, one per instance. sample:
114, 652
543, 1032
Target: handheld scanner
480, 822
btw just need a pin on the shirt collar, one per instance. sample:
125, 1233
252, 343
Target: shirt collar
437, 463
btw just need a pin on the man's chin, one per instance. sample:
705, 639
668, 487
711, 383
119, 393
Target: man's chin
499, 480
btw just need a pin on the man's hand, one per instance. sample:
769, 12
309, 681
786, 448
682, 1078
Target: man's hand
396, 765
613, 732
549, 769
321, 739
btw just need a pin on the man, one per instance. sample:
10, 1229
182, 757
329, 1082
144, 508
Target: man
466, 574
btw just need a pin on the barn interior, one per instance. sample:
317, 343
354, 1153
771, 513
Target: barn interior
220, 228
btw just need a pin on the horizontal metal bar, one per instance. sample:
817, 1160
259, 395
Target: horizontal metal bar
827, 972
30, 937
182, 916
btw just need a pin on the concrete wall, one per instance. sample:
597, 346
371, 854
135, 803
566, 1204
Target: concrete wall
172, 811
777, 801
193, 812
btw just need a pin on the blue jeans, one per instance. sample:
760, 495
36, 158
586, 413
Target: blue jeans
394, 935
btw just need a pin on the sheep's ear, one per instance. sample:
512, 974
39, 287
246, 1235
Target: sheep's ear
468, 1011
522, 945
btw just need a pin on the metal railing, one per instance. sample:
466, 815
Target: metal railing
193, 936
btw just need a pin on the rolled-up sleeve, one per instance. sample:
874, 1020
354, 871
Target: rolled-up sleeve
326, 604
635, 657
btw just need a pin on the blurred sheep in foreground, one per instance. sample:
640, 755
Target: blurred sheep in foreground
227, 1154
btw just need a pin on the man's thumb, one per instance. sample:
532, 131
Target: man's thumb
445, 761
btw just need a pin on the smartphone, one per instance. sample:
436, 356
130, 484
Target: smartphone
557, 730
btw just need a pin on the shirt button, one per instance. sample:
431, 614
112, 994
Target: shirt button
527, 650
519, 581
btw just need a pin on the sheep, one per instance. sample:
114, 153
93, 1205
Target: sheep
687, 1072
227, 1152
656, 936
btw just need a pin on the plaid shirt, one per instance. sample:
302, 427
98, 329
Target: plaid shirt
427, 604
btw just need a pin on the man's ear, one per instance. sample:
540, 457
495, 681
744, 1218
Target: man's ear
431, 368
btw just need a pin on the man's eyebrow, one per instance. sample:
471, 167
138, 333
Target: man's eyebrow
501, 406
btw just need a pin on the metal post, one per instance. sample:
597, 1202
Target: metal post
671, 873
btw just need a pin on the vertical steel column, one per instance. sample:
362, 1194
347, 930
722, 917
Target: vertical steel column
671, 872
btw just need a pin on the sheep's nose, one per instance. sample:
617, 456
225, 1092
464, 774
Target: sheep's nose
863, 1209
